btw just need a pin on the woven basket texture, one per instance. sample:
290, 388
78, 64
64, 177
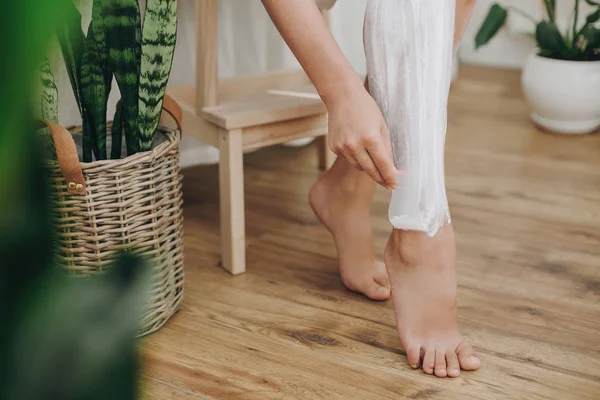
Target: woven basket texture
133, 204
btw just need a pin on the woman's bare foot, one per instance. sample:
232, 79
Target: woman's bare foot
341, 198
422, 272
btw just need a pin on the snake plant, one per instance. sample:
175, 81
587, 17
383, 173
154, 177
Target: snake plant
158, 42
123, 28
579, 43
140, 60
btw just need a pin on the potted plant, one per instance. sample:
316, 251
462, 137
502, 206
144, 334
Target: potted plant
119, 190
561, 79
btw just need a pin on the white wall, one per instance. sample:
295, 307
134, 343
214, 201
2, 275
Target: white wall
346, 24
512, 45
249, 44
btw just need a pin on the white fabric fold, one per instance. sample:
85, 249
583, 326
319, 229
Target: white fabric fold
409, 48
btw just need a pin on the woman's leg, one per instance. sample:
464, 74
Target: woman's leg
342, 200
409, 45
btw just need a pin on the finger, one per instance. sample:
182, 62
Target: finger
387, 140
383, 163
369, 167
350, 158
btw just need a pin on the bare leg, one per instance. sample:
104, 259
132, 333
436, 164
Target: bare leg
421, 266
342, 198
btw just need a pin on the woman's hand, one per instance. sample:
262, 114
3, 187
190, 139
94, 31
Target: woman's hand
356, 127
358, 132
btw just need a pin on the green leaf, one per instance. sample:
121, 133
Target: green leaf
593, 17
117, 132
49, 106
551, 41
95, 83
26, 27
589, 43
88, 328
49, 94
575, 20
123, 29
95, 96
87, 140
592, 3
158, 47
495, 19
71, 39
593, 37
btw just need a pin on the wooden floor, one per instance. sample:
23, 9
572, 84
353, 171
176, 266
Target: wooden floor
526, 209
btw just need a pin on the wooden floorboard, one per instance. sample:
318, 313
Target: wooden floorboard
526, 209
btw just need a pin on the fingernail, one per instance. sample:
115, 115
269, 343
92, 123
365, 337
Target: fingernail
382, 289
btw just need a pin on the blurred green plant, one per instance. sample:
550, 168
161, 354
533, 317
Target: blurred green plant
580, 43
140, 60
61, 338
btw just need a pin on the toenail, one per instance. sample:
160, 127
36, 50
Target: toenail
382, 289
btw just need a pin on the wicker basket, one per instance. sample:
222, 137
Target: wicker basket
133, 204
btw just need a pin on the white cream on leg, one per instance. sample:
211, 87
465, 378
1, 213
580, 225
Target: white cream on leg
409, 48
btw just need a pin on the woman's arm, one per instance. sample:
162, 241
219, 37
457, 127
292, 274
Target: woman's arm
357, 130
304, 30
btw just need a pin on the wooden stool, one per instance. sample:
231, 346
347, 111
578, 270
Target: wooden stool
245, 113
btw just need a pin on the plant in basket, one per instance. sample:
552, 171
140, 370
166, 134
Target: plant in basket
123, 191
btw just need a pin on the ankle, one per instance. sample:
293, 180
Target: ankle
349, 181
355, 184
412, 248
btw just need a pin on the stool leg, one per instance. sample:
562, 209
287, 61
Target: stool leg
326, 156
231, 193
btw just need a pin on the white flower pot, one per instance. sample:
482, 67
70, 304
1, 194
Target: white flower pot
564, 95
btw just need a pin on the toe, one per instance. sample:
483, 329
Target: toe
453, 366
381, 275
375, 291
440, 364
429, 361
368, 287
467, 358
414, 356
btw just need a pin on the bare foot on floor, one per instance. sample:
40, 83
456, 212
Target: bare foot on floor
422, 272
342, 199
